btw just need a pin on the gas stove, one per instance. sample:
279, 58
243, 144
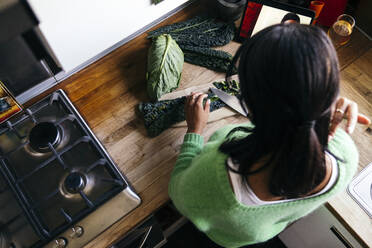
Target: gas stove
58, 186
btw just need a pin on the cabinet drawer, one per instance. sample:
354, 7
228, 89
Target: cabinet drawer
319, 229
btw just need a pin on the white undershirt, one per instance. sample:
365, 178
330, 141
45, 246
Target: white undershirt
245, 194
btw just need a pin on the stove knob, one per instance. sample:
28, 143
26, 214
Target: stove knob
76, 232
60, 243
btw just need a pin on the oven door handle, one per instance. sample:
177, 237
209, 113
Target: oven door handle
145, 236
148, 234
340, 237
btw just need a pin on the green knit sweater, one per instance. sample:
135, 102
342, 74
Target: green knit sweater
199, 188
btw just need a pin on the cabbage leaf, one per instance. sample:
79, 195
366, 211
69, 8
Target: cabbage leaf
164, 66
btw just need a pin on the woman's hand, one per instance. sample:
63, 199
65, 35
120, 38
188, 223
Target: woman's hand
196, 114
346, 109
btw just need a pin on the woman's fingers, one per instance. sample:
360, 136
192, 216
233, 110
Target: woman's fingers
195, 97
352, 117
196, 114
190, 100
346, 109
337, 116
207, 106
341, 108
200, 100
195, 100
339, 113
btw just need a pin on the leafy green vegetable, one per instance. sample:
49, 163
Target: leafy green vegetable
216, 36
198, 31
161, 115
186, 26
164, 66
231, 87
212, 59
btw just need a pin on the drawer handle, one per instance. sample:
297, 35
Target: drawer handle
145, 237
340, 237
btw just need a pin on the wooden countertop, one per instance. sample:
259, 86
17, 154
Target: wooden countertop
106, 94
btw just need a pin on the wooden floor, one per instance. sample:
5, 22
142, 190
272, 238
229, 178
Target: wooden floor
107, 92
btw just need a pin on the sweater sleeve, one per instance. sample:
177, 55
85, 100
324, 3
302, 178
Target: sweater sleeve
191, 147
344, 148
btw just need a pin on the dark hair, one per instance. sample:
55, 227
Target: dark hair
291, 16
289, 78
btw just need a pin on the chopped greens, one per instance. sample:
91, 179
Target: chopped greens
161, 115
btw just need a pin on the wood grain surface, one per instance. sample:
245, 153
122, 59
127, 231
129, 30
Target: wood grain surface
107, 92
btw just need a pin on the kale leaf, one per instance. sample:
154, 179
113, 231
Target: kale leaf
212, 59
186, 26
198, 31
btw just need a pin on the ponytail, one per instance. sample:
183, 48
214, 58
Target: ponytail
300, 164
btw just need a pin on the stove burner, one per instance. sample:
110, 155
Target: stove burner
42, 134
74, 182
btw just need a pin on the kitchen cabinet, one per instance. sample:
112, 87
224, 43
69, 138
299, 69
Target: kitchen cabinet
80, 32
319, 229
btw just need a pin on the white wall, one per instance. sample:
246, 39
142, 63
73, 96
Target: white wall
78, 30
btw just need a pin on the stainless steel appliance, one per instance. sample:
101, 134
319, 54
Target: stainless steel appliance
360, 189
58, 186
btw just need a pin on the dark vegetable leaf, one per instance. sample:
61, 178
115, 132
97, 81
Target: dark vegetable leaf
199, 31
186, 26
212, 59
206, 51
161, 115
232, 87
218, 36
164, 66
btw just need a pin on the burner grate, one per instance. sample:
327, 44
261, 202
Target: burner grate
56, 155
34, 209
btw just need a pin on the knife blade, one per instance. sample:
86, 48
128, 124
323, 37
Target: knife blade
232, 101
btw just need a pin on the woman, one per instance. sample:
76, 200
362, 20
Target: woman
250, 181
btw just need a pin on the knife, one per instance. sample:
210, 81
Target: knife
232, 101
